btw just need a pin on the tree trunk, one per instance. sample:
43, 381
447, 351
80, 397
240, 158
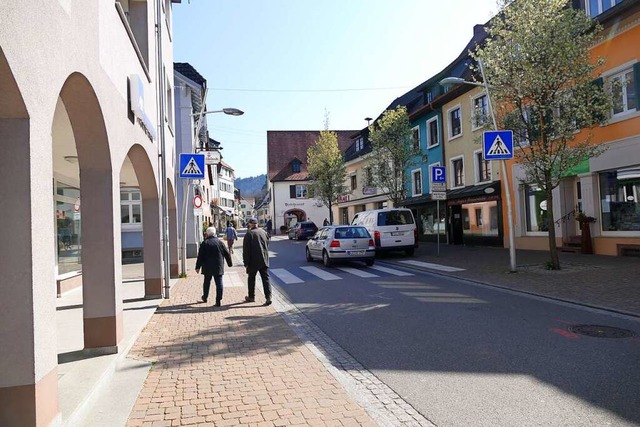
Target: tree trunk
553, 250
330, 213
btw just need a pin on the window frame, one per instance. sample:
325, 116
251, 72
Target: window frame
414, 191
452, 161
353, 181
302, 191
428, 127
130, 204
415, 137
474, 122
450, 122
478, 157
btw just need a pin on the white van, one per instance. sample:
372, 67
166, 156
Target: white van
392, 229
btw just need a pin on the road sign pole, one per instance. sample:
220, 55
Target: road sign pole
183, 242
438, 228
505, 177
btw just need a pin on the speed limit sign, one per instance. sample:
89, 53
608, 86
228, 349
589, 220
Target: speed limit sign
197, 202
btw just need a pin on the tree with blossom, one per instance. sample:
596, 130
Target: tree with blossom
543, 83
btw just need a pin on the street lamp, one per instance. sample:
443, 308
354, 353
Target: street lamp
448, 81
198, 126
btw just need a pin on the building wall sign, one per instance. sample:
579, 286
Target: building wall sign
344, 198
136, 90
367, 191
294, 204
466, 200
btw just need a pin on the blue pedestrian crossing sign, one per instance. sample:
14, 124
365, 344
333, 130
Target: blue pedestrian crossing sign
438, 174
497, 145
191, 166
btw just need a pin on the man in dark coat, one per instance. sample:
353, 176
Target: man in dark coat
255, 255
211, 257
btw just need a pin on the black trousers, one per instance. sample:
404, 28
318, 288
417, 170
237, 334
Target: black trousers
207, 284
266, 285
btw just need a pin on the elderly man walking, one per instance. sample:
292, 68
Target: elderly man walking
211, 257
255, 255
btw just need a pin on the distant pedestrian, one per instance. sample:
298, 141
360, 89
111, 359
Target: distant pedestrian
269, 227
325, 222
211, 256
255, 256
231, 235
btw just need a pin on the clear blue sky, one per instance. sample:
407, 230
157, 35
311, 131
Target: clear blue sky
284, 63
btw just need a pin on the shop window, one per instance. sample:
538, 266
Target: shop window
536, 209
68, 228
619, 193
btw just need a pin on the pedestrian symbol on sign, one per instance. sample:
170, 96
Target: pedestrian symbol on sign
498, 145
192, 168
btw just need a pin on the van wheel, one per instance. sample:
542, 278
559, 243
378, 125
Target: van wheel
369, 262
409, 252
325, 259
309, 258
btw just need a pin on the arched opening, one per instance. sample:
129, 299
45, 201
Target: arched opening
139, 218
99, 227
294, 216
29, 380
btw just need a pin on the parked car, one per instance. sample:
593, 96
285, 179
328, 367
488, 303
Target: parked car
303, 230
392, 229
341, 243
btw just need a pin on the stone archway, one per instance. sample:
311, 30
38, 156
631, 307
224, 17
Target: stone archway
28, 362
101, 266
298, 214
145, 180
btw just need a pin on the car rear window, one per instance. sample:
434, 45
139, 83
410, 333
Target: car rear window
308, 225
395, 218
351, 233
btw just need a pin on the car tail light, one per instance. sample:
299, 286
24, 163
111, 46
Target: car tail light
335, 244
376, 236
371, 244
415, 237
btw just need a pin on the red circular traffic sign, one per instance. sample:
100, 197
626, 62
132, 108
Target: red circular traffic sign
197, 202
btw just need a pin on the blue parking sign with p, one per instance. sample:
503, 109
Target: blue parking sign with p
438, 174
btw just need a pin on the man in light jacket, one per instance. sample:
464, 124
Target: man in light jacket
211, 256
255, 255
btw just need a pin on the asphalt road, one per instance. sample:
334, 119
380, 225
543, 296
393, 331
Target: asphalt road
464, 354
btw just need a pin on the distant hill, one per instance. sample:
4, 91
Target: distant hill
254, 186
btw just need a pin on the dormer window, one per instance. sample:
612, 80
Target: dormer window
359, 144
295, 166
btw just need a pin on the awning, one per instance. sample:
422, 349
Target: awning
580, 168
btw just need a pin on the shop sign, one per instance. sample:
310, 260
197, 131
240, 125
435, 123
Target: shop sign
367, 191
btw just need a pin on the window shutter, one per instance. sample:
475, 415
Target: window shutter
292, 191
636, 81
599, 82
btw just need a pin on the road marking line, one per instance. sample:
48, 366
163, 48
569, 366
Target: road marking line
432, 266
391, 271
357, 272
324, 275
285, 276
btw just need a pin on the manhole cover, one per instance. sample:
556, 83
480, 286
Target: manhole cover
601, 331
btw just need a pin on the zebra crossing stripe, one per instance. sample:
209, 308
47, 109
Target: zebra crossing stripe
324, 275
432, 266
285, 276
357, 272
391, 271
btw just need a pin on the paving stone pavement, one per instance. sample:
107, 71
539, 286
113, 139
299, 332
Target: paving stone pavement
242, 364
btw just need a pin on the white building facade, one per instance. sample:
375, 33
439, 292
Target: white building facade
79, 111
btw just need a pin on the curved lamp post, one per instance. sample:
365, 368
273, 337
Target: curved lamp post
198, 126
448, 81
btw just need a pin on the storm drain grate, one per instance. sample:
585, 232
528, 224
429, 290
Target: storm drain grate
601, 331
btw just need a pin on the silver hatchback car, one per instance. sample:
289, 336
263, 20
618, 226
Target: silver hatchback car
341, 243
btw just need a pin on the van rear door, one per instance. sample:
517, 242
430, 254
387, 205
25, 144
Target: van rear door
396, 228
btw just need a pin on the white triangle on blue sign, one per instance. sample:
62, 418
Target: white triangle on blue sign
191, 168
498, 148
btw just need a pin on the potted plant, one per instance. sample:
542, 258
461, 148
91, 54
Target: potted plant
585, 220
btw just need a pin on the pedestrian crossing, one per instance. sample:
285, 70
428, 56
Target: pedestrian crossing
302, 274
